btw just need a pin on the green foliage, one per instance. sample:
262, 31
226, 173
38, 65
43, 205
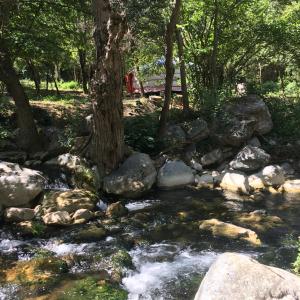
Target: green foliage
69, 85
140, 132
89, 289
122, 259
296, 264
286, 116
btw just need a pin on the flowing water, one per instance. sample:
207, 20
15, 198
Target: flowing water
170, 254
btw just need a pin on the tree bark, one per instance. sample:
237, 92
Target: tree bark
29, 138
107, 87
35, 76
169, 37
84, 75
184, 89
214, 74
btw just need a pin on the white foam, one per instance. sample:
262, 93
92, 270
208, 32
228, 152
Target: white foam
64, 248
133, 206
8, 246
151, 275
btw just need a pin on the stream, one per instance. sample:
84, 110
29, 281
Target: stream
170, 254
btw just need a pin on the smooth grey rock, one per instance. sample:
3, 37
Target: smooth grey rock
18, 186
235, 182
273, 176
236, 277
250, 159
175, 174
135, 176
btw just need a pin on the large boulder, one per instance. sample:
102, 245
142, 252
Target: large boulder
196, 130
250, 159
252, 107
18, 186
235, 182
175, 174
219, 228
233, 132
235, 276
135, 176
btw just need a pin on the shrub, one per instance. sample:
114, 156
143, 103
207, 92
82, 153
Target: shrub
69, 85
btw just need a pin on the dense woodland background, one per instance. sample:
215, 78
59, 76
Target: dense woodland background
49, 45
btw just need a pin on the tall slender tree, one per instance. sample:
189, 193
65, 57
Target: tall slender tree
29, 139
107, 86
169, 42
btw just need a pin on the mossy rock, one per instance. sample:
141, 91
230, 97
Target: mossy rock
37, 270
122, 259
90, 234
90, 289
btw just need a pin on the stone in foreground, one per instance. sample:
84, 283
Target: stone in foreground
219, 228
292, 186
236, 277
235, 182
135, 177
18, 186
175, 174
273, 175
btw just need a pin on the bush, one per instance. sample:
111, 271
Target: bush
286, 116
69, 85
292, 88
141, 131
296, 264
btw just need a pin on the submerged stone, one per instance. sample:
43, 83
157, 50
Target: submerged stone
36, 270
219, 228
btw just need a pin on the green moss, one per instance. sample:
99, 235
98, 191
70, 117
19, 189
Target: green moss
296, 264
89, 289
122, 259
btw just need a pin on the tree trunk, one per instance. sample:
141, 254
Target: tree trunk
185, 95
169, 37
55, 84
29, 136
213, 65
107, 87
84, 75
47, 82
35, 76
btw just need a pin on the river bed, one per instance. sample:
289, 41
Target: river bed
170, 254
